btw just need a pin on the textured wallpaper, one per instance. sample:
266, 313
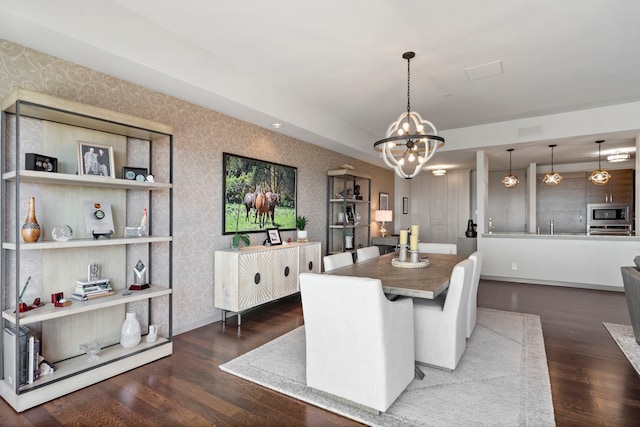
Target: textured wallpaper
200, 137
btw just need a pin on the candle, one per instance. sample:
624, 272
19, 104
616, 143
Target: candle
414, 242
403, 237
414, 230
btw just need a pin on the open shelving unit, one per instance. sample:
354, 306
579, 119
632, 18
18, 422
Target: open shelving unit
52, 126
342, 202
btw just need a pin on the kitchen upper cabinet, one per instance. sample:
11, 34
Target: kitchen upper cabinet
619, 189
564, 204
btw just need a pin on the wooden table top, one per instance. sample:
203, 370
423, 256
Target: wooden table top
427, 282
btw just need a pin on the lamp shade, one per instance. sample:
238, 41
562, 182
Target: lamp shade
384, 216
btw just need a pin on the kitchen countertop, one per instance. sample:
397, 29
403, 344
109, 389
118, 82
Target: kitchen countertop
558, 236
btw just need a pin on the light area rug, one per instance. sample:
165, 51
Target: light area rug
502, 379
626, 340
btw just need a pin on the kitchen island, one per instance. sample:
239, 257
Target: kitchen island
574, 260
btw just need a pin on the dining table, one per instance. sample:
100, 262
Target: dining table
409, 281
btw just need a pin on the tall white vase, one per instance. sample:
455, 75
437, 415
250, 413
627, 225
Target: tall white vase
130, 332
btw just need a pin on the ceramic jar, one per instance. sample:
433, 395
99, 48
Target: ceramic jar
31, 229
130, 332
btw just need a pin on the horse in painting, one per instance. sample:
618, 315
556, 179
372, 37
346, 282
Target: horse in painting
262, 209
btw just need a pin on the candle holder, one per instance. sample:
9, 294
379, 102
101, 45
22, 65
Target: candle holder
403, 253
415, 255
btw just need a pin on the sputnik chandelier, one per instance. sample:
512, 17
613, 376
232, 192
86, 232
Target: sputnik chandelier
599, 176
407, 146
511, 180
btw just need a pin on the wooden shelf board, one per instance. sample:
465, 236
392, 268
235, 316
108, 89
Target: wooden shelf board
60, 110
83, 180
76, 373
348, 172
350, 226
347, 201
88, 243
49, 311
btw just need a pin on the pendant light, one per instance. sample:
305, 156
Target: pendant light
439, 172
511, 180
552, 178
618, 157
599, 176
407, 146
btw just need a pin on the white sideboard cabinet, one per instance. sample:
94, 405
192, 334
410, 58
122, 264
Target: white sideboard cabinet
255, 275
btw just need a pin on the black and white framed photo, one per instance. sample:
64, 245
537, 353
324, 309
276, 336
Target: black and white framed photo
384, 202
405, 205
273, 234
134, 174
96, 160
351, 215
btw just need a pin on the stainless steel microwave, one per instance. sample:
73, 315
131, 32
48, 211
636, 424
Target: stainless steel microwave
609, 219
608, 213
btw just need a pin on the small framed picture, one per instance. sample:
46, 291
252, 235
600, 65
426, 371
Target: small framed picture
96, 160
134, 174
273, 234
351, 215
384, 202
405, 205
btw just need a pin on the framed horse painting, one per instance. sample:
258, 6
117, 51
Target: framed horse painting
257, 195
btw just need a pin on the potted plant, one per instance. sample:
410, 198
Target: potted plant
301, 223
239, 237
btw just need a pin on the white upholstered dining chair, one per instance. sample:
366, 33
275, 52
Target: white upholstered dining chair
472, 306
440, 324
334, 261
369, 252
368, 360
438, 248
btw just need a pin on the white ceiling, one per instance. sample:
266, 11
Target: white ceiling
332, 71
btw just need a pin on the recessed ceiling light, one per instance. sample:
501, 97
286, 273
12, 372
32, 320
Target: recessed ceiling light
439, 172
277, 125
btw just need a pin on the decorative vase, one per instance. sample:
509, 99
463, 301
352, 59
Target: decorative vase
302, 234
130, 332
31, 229
348, 240
471, 229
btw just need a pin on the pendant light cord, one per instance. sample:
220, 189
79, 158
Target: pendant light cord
509, 162
408, 85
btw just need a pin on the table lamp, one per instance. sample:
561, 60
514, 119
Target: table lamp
383, 216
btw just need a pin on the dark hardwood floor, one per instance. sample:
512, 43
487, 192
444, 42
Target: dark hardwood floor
592, 382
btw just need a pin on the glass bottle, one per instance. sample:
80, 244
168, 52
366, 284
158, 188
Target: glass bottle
130, 332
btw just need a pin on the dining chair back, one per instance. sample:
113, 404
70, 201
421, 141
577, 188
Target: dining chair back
331, 262
440, 325
359, 344
472, 307
369, 252
438, 248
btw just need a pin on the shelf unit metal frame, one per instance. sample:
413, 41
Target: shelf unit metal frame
25, 103
347, 178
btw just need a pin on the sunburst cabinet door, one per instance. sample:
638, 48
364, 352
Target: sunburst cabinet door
310, 258
255, 279
285, 272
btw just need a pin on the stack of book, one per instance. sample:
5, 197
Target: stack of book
90, 289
